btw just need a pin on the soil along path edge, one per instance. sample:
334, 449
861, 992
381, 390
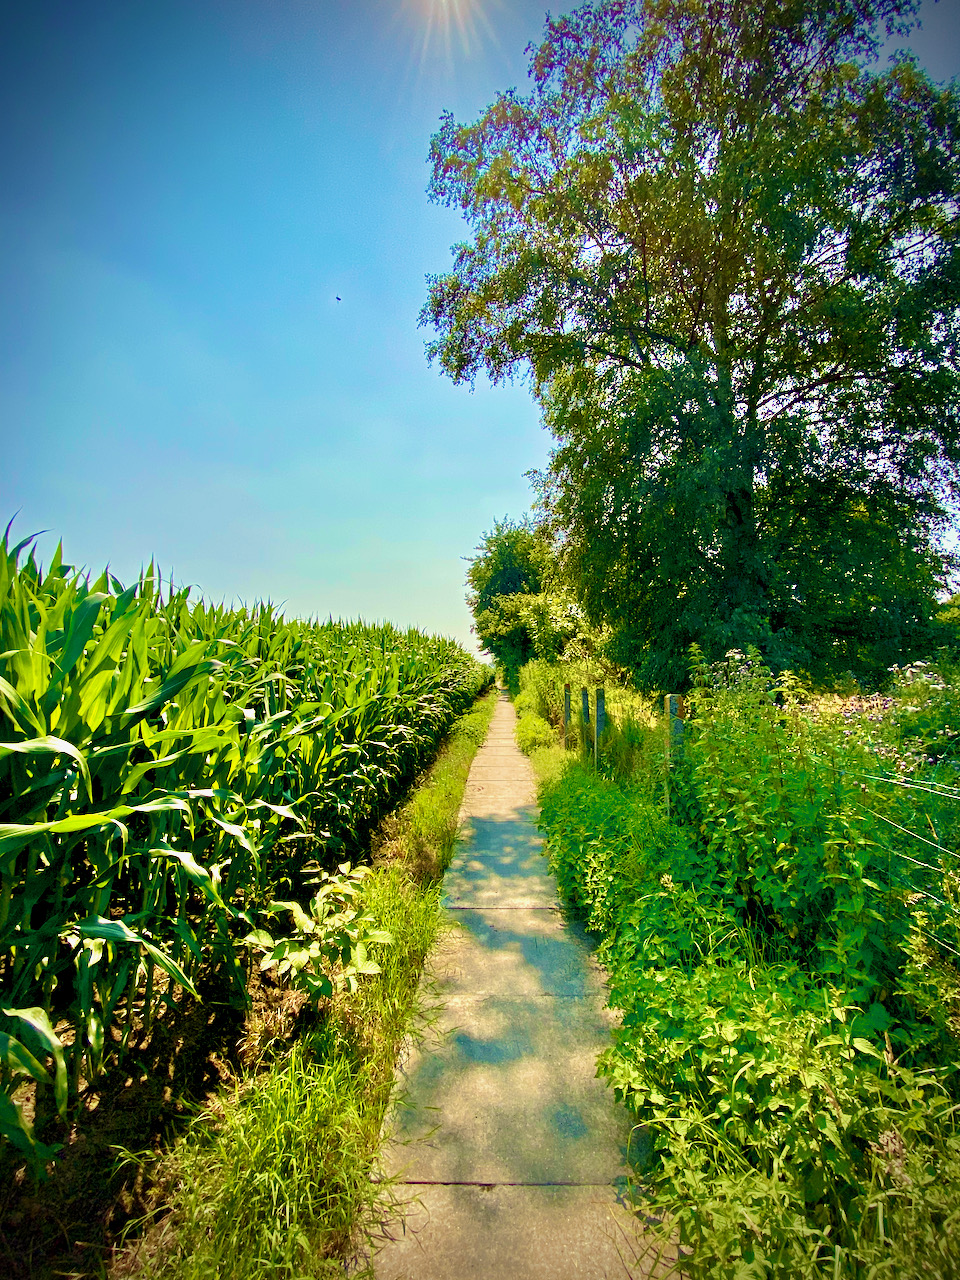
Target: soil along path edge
512, 1152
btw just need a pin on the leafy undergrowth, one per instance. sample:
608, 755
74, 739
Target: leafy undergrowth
783, 946
271, 1177
273, 1180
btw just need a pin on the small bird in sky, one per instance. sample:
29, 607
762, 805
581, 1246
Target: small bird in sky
338, 297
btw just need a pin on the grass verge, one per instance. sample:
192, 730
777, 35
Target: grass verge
274, 1179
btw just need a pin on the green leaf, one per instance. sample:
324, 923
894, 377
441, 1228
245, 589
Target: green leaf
170, 967
201, 876
39, 1023
108, 930
17, 1058
303, 922
169, 689
18, 710
238, 833
50, 746
119, 931
19, 1132
95, 1037
259, 938
864, 1046
14, 836
82, 621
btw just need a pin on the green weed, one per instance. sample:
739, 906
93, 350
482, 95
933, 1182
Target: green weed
781, 949
274, 1188
533, 732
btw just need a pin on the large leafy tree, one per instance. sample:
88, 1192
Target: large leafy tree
522, 608
727, 254
508, 570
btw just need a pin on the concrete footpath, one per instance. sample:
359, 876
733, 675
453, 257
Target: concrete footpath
509, 1147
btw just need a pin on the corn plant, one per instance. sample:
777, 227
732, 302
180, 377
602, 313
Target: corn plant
167, 769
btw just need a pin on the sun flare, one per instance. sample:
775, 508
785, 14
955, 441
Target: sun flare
453, 29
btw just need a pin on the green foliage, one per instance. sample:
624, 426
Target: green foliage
533, 732
769, 1110
536, 722
602, 840
276, 1181
727, 254
946, 624
167, 770
555, 623
630, 740
541, 692
783, 950
328, 948
22, 1058
512, 559
927, 712
521, 608
508, 567
794, 841
504, 632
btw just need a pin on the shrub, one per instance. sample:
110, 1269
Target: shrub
533, 731
782, 947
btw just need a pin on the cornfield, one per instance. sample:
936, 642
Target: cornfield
168, 768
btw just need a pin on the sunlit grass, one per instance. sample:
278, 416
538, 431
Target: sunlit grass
274, 1182
273, 1187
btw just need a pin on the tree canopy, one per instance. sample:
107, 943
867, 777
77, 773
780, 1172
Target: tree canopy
506, 574
726, 253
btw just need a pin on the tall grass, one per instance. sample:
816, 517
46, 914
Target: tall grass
271, 1187
167, 769
632, 741
275, 1182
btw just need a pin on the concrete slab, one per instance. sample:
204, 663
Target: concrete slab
501, 835
506, 872
512, 1144
523, 896
520, 952
510, 1096
509, 1233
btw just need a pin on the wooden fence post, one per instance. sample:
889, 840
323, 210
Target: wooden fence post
566, 714
674, 710
599, 723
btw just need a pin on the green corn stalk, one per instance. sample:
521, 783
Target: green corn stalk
167, 770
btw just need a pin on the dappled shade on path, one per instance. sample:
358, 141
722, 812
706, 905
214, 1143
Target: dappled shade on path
513, 1152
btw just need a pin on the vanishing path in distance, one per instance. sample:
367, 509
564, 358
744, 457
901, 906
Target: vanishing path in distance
509, 1146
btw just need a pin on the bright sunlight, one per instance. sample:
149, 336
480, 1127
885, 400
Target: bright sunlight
457, 28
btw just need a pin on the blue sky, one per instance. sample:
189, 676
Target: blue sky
187, 188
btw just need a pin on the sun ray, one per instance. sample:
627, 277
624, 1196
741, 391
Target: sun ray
453, 30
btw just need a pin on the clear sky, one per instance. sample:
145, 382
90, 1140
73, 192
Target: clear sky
187, 188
